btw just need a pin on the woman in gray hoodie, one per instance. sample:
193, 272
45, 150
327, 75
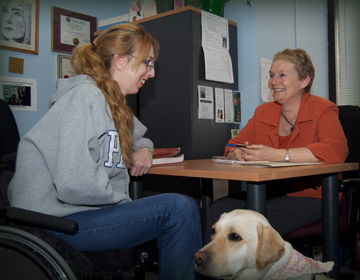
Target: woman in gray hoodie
75, 162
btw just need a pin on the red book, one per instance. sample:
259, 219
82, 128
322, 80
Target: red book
167, 156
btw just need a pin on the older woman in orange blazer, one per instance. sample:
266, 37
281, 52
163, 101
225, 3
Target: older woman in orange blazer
295, 127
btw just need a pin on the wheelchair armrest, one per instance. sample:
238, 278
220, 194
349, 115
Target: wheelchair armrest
9, 159
349, 184
42, 220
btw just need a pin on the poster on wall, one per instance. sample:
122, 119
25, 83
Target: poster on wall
19, 93
237, 107
136, 10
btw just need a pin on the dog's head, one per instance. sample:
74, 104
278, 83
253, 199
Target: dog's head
242, 245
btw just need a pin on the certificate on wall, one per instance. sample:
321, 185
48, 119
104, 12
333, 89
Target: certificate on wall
74, 31
64, 67
70, 29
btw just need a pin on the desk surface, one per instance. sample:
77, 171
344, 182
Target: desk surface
205, 168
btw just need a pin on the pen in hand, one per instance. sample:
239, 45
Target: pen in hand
236, 145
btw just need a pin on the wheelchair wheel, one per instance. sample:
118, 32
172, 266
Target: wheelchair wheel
25, 256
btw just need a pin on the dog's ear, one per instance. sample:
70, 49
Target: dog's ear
270, 246
223, 214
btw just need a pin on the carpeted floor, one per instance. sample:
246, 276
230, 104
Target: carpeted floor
151, 276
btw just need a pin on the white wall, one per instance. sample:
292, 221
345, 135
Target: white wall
269, 26
263, 29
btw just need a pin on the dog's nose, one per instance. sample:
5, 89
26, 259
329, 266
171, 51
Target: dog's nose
200, 257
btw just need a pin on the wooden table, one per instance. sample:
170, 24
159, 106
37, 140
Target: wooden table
256, 178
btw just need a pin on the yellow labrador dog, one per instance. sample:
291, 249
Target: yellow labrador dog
245, 246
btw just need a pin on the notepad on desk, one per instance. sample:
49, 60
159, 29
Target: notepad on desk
226, 160
167, 156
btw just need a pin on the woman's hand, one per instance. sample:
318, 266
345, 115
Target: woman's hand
237, 153
257, 153
142, 160
265, 153
252, 153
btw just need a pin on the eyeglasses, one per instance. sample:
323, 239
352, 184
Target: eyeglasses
150, 64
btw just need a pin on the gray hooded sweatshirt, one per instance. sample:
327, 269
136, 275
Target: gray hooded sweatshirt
71, 160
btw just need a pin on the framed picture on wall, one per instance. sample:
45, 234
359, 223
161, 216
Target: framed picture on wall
69, 29
64, 67
19, 20
19, 93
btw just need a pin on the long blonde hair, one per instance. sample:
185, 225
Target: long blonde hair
95, 59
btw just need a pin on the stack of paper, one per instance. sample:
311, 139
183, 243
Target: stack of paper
222, 159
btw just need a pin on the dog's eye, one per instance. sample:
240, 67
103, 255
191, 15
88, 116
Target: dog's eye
213, 231
234, 237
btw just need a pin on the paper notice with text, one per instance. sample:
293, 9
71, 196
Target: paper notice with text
266, 95
229, 106
215, 43
206, 103
219, 105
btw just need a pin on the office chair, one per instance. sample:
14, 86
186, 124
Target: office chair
9, 135
350, 185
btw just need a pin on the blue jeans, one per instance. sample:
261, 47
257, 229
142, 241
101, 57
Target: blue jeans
172, 219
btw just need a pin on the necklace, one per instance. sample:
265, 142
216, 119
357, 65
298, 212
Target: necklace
292, 125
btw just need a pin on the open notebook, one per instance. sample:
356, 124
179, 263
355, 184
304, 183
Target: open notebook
226, 160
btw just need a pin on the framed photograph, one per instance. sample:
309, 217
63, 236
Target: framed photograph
64, 67
19, 20
19, 93
69, 29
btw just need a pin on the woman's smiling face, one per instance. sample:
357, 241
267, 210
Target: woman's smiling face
284, 82
131, 80
13, 23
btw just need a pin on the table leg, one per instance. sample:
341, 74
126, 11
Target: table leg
135, 188
206, 200
256, 197
330, 210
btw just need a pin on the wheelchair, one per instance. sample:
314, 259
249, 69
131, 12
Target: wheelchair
28, 249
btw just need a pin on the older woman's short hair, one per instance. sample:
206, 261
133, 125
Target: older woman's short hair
301, 61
